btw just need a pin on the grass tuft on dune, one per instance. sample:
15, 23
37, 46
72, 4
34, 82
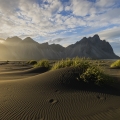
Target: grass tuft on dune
75, 62
32, 62
90, 72
42, 63
116, 64
95, 75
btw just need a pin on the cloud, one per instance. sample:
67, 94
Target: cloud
106, 3
8, 6
111, 34
60, 21
57, 40
80, 7
55, 20
89, 7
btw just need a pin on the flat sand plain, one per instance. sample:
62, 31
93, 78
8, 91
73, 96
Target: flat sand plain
27, 93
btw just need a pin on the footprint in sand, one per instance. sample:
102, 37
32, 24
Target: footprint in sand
53, 101
57, 91
101, 97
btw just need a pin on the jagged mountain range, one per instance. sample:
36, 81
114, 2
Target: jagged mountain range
17, 49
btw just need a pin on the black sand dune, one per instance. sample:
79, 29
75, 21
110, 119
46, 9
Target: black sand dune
13, 67
23, 72
46, 97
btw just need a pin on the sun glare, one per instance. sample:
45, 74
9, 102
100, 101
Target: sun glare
1, 41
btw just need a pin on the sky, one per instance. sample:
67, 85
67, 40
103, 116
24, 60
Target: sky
61, 21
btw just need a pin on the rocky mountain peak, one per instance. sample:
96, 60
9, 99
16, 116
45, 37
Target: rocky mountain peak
46, 43
13, 39
91, 47
96, 36
29, 40
84, 40
95, 39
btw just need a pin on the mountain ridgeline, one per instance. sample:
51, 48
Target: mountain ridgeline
17, 49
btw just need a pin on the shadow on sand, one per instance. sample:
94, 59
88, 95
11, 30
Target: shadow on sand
81, 86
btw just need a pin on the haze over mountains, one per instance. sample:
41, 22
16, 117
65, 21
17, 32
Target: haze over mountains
17, 49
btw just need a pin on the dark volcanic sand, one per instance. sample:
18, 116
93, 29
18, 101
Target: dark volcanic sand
42, 96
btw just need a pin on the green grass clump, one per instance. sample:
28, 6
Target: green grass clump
42, 63
32, 62
116, 64
75, 62
95, 75
7, 62
89, 72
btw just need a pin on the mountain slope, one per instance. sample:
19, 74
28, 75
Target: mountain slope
5, 53
91, 47
27, 49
